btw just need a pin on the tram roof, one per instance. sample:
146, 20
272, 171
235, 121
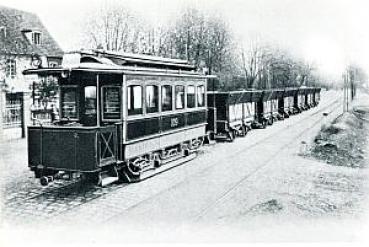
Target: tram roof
114, 69
100, 61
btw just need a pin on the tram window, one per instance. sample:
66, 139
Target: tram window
166, 98
69, 102
134, 98
191, 100
111, 103
200, 96
151, 99
180, 97
90, 100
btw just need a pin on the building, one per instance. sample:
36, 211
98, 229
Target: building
24, 43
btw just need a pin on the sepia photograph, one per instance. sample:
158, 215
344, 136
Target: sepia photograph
184, 122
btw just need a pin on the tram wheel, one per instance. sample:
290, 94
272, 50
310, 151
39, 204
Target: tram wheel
231, 135
244, 131
44, 181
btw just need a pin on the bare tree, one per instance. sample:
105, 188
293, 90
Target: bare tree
112, 28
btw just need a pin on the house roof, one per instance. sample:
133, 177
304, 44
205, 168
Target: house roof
17, 23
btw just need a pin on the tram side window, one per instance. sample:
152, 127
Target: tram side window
180, 97
151, 99
200, 96
166, 98
111, 103
134, 98
191, 100
69, 103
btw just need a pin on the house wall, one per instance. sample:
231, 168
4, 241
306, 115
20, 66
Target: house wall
20, 83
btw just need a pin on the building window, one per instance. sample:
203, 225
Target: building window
36, 38
134, 98
11, 68
180, 96
201, 96
166, 98
151, 99
191, 100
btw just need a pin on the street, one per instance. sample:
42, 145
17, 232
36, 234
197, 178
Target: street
262, 181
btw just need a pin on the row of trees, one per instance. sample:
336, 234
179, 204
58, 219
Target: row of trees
206, 41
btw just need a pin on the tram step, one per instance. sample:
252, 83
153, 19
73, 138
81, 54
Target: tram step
169, 164
108, 180
109, 176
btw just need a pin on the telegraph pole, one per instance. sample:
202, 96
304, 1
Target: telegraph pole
347, 91
344, 91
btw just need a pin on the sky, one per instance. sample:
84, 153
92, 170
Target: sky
328, 33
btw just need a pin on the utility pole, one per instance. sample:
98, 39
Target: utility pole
344, 77
347, 91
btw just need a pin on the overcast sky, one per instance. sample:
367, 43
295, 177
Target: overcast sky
330, 33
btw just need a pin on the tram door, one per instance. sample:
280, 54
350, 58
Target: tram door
89, 107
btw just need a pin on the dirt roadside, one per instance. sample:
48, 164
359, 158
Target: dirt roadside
316, 193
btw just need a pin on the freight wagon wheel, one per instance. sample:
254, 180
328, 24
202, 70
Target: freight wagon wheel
264, 124
231, 135
244, 131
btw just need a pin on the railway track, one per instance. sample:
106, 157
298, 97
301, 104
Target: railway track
227, 192
210, 165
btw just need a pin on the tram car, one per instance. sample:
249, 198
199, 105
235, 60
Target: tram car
122, 117
231, 114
